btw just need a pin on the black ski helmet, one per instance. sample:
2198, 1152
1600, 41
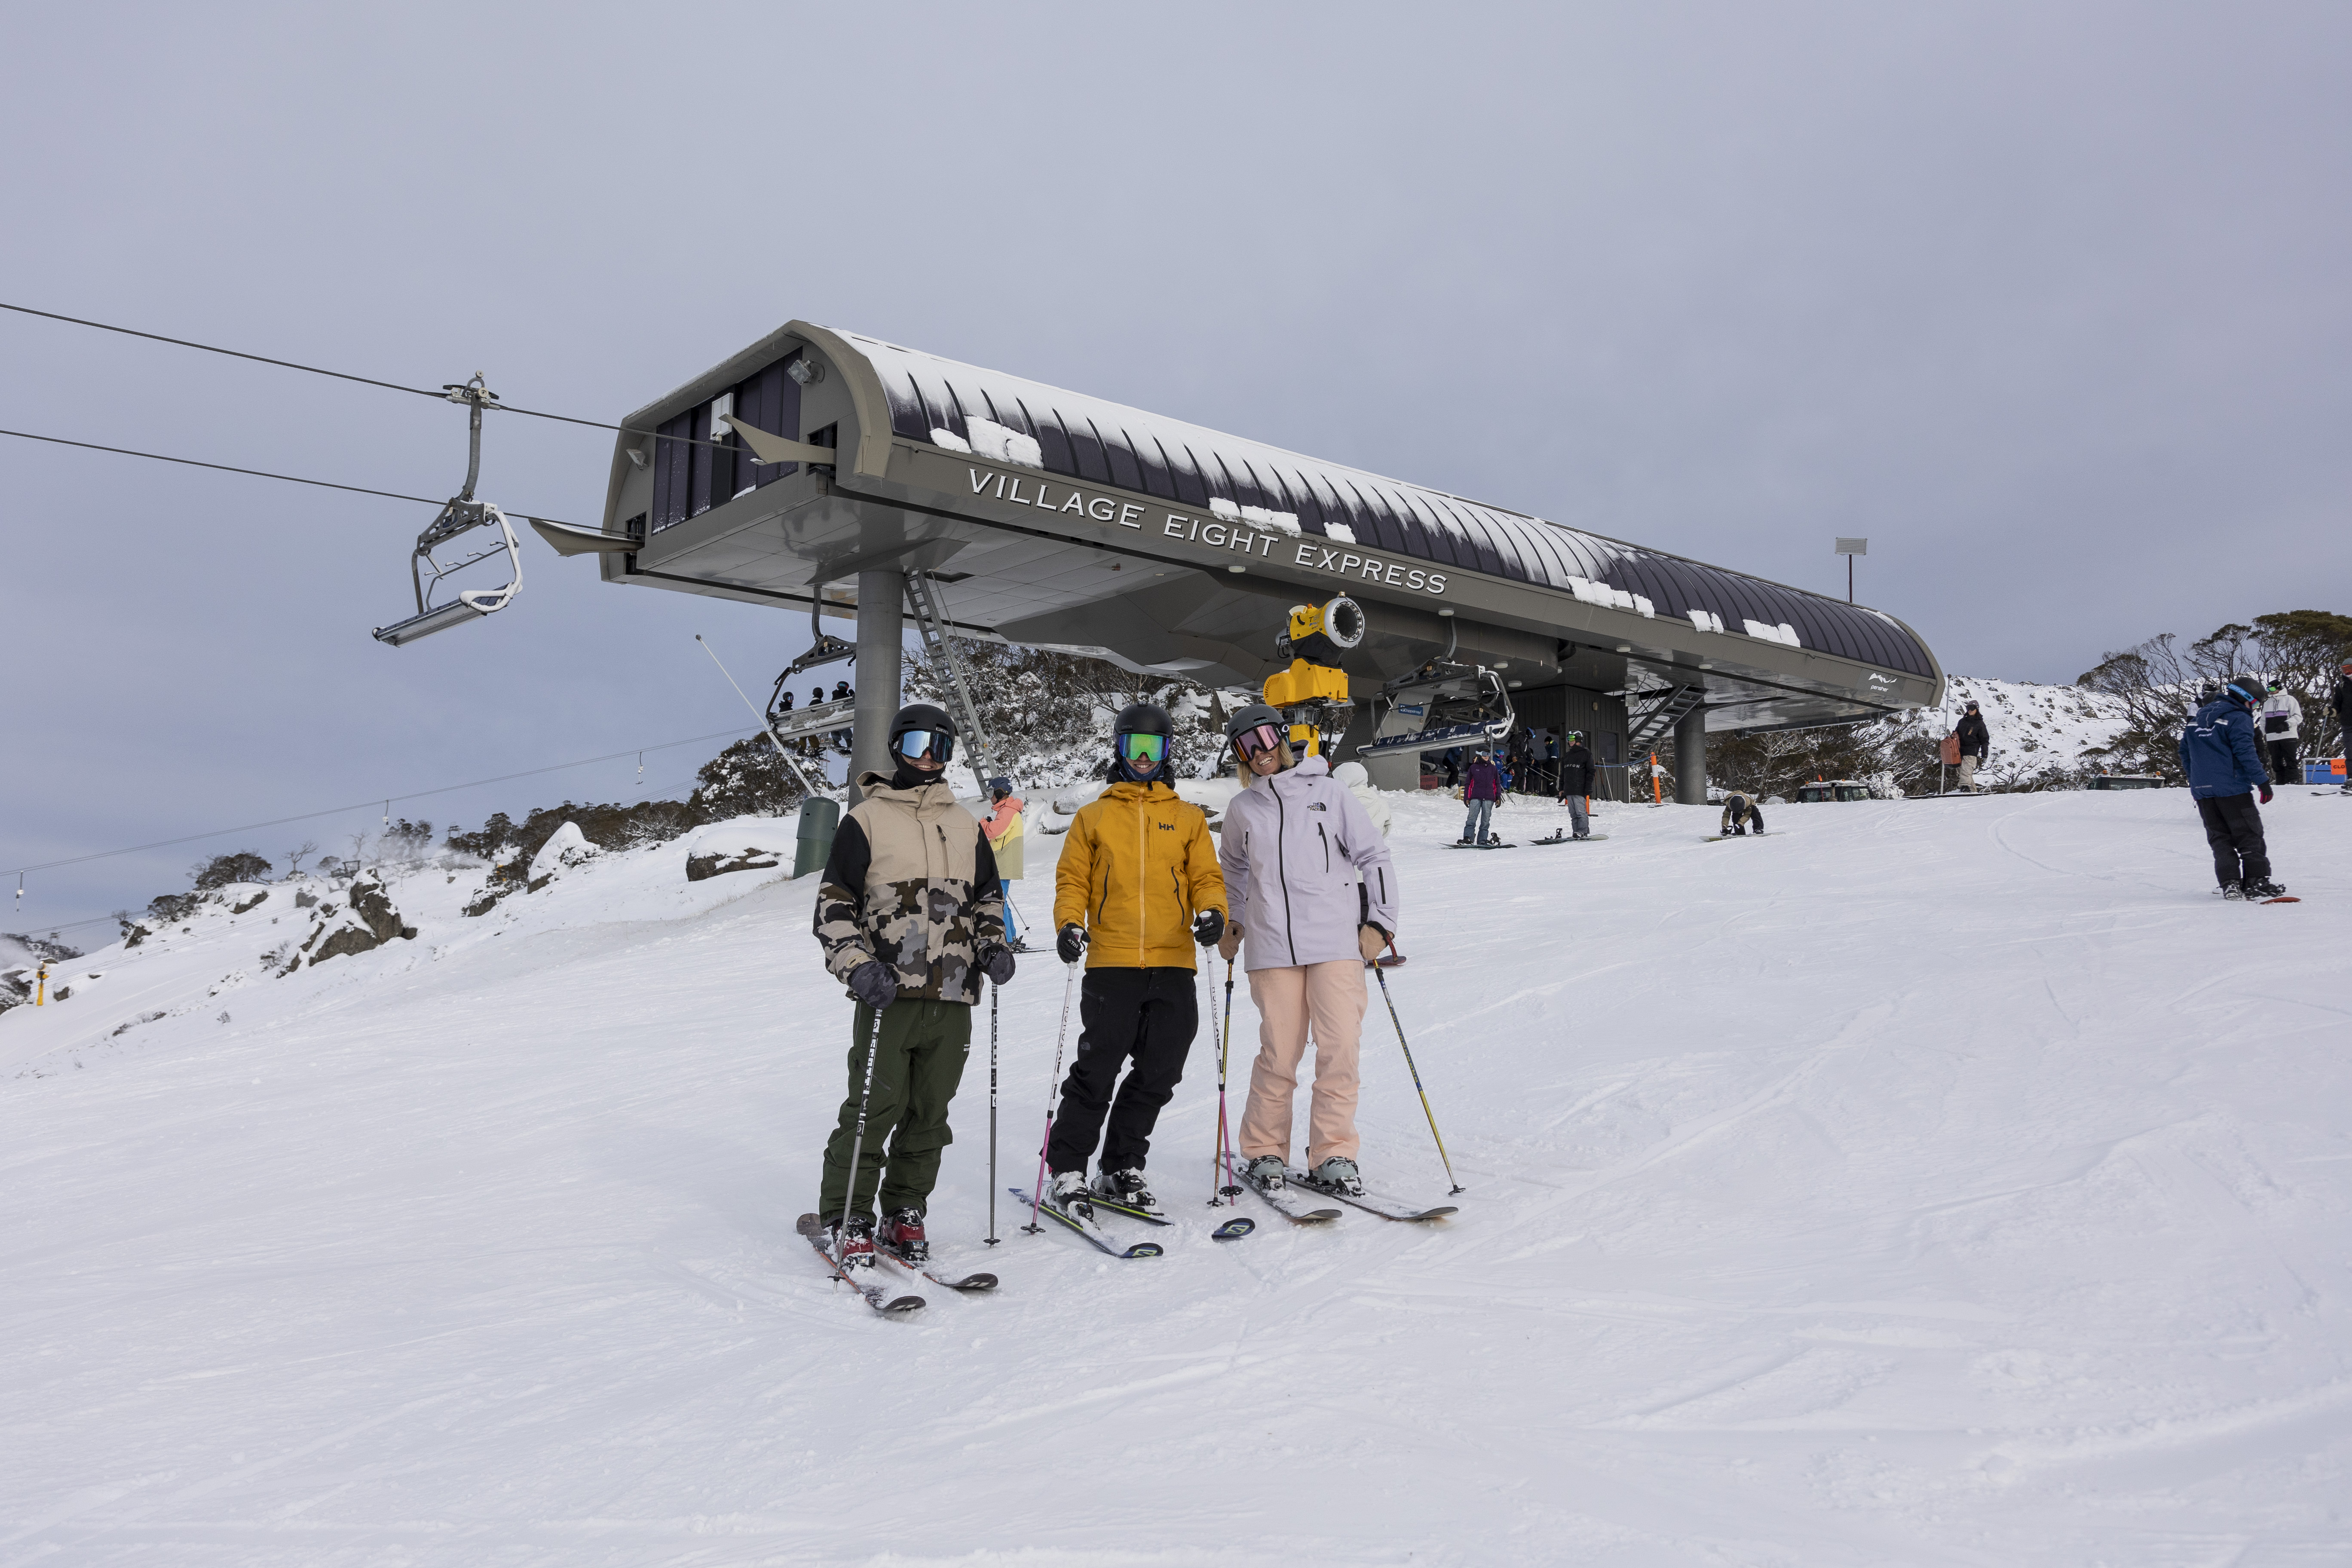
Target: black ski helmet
2249, 688
1140, 719
920, 716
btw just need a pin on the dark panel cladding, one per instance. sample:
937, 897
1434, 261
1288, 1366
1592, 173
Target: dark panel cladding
1194, 465
672, 460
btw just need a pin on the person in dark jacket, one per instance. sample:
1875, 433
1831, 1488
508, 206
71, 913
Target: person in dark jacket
1976, 745
1482, 787
1453, 760
2223, 760
2343, 703
1576, 784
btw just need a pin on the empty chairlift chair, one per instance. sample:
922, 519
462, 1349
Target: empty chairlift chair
462, 515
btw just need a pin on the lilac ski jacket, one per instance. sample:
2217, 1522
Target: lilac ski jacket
1304, 867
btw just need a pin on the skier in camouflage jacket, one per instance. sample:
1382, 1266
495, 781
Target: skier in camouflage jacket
911, 914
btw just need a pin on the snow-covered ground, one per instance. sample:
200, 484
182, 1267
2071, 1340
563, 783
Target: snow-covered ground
1943, 1182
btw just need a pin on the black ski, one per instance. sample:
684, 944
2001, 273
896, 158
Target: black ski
1386, 1207
1084, 1225
881, 1300
1283, 1204
970, 1283
1231, 1230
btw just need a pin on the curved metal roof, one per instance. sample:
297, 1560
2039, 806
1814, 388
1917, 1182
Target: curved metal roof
1106, 442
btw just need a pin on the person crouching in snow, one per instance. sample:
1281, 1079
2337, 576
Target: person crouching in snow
1137, 878
1313, 896
2224, 765
1739, 813
910, 915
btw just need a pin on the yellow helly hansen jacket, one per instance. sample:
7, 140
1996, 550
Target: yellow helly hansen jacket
1137, 866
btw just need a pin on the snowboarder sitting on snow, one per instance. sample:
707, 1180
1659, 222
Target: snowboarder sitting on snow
1482, 788
910, 915
1576, 784
2282, 731
2224, 765
1740, 813
1313, 919
1976, 746
1136, 887
1003, 828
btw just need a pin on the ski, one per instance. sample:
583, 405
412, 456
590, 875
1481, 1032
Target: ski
970, 1283
1283, 1204
1231, 1230
1085, 1227
1386, 1207
881, 1300
1571, 839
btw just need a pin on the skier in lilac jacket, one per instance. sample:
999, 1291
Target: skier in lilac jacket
1313, 896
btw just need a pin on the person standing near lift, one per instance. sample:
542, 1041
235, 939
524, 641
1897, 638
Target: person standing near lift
1314, 898
1137, 888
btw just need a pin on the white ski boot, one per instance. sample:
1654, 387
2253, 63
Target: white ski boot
1069, 1191
1127, 1188
1338, 1174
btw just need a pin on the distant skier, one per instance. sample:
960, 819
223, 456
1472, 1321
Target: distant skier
841, 691
2341, 700
1137, 878
2224, 765
1739, 813
1482, 787
910, 915
2282, 731
1976, 746
1004, 836
1452, 759
1313, 919
1576, 784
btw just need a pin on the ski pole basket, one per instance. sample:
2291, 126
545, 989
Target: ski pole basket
463, 514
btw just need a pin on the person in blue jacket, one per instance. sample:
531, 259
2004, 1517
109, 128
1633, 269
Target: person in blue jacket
2223, 760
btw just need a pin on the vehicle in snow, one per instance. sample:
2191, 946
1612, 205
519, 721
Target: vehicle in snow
1831, 789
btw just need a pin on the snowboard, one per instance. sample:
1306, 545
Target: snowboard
1719, 837
2289, 899
1457, 844
1571, 839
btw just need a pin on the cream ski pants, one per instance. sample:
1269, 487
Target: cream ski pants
1326, 1000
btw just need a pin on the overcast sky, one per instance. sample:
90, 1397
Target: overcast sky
2049, 301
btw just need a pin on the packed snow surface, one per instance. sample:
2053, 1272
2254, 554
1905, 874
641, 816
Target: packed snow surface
1938, 1182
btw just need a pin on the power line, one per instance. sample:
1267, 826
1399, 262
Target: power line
385, 800
228, 469
441, 395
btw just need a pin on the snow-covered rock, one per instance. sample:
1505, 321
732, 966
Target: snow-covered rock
360, 919
565, 847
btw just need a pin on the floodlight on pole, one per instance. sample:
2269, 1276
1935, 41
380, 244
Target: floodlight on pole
1850, 548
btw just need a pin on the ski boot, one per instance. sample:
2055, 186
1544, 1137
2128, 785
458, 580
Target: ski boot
902, 1233
1337, 1173
1069, 1191
2263, 887
857, 1251
1127, 1188
1266, 1169
2233, 891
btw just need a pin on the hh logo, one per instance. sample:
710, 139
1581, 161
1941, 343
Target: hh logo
1165, 827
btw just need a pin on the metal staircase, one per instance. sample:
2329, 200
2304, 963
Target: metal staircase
1660, 716
930, 621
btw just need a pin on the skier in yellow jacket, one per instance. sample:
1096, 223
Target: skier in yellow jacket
1137, 888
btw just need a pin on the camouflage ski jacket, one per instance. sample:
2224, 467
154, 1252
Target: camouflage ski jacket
911, 882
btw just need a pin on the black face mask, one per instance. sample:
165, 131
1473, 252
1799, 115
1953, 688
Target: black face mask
908, 778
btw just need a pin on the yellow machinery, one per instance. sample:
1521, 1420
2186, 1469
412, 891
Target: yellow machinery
1312, 694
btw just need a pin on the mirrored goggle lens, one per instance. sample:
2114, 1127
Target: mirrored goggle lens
936, 744
1143, 748
1263, 738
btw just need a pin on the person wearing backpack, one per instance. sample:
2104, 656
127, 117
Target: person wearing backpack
2282, 731
2224, 765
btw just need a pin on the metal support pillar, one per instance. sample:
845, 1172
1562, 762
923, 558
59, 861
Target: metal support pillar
1690, 758
881, 623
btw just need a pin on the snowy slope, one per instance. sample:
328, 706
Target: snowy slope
2050, 732
1947, 1182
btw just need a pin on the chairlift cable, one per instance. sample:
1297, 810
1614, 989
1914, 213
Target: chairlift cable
413, 794
443, 395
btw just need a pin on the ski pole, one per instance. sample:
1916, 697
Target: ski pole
1061, 1037
1390, 1000
1217, 1156
994, 991
1231, 1189
857, 1142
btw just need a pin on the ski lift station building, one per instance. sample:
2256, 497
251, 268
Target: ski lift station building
1052, 518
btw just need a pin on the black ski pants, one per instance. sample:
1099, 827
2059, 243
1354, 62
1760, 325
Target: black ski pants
1146, 1015
2233, 826
2283, 770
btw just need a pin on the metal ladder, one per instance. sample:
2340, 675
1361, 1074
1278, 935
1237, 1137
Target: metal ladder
1660, 716
922, 596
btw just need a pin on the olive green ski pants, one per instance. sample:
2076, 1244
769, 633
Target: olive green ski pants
919, 1053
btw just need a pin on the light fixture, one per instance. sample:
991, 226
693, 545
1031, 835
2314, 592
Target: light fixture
1706, 666
1625, 647
1516, 684
805, 371
636, 456
1445, 612
1236, 571
1502, 664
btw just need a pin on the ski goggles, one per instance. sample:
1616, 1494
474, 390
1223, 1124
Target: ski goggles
936, 744
1143, 748
1261, 738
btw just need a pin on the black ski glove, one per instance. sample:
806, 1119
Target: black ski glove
2266, 795
873, 983
996, 963
1071, 945
1208, 926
